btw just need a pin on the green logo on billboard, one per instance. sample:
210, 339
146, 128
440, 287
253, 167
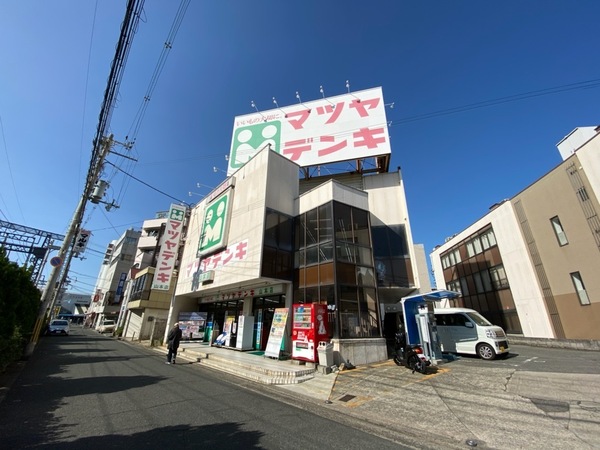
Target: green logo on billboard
213, 230
249, 140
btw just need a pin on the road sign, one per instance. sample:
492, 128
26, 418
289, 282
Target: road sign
56, 261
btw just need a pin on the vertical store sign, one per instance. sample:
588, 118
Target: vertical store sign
82, 240
215, 225
168, 250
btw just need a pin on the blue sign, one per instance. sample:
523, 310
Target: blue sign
56, 261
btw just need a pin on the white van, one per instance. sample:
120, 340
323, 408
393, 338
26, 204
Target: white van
463, 330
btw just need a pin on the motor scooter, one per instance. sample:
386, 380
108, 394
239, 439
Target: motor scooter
410, 356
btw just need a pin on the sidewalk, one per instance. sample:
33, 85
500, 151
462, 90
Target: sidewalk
493, 407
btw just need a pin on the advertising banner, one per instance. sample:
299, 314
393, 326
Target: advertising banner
192, 324
277, 332
169, 248
82, 240
328, 130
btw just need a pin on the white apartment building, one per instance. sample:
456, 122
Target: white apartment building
531, 264
110, 286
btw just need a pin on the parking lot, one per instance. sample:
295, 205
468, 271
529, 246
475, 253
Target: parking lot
535, 398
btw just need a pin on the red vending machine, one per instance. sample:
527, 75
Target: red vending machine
309, 327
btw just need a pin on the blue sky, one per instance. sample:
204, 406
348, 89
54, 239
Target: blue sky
428, 57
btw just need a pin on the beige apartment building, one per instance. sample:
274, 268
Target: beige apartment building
532, 263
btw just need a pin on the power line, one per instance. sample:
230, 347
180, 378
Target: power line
510, 98
162, 59
148, 185
12, 179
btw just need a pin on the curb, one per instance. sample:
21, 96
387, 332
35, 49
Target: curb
575, 344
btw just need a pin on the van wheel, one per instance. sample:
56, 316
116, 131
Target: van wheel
485, 351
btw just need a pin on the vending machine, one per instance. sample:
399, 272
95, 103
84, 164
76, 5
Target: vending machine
309, 327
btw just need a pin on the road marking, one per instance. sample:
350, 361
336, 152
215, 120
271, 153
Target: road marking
530, 359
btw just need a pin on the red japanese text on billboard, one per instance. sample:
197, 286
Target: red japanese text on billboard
341, 128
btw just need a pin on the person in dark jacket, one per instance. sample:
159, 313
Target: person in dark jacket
173, 339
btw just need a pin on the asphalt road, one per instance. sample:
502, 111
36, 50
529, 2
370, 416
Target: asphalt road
91, 391
541, 359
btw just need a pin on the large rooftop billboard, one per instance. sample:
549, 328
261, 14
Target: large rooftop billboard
342, 128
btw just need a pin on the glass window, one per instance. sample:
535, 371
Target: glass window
487, 282
326, 252
477, 245
478, 283
300, 227
369, 323
389, 241
470, 249
271, 225
559, 231
348, 313
311, 229
488, 239
365, 276
346, 252
300, 258
580, 288
360, 222
454, 286
312, 255
498, 276
464, 287
583, 195
478, 319
343, 222
285, 230
325, 223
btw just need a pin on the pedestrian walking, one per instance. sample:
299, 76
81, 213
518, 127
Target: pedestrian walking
173, 339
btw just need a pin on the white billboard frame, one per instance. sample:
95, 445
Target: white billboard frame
342, 128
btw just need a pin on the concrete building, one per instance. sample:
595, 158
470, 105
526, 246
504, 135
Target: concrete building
110, 286
266, 239
72, 303
145, 308
531, 264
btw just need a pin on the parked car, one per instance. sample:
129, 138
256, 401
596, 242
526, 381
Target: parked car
107, 326
58, 326
463, 330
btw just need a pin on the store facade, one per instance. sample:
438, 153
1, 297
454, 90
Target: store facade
265, 247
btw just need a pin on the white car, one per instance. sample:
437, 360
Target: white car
107, 326
58, 326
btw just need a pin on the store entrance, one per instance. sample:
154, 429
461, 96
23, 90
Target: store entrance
264, 310
223, 316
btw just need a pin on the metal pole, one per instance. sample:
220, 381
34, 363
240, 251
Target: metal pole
50, 291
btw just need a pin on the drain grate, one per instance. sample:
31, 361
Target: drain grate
347, 398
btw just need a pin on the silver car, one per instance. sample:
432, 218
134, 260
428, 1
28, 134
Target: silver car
107, 326
58, 326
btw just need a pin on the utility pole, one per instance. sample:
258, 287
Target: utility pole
50, 293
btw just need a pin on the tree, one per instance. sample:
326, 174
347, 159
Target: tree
19, 306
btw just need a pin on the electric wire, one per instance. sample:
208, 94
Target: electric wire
168, 45
148, 185
139, 117
12, 178
87, 78
507, 99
